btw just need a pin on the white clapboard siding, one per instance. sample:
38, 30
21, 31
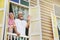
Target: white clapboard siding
46, 8
49, 1
33, 3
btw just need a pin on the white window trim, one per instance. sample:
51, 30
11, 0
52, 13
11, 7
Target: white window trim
26, 0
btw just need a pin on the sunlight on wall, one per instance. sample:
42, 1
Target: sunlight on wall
1, 22
2, 2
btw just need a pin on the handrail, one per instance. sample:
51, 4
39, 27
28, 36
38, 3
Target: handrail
13, 34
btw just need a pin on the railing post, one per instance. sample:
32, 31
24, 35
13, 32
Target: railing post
17, 38
14, 37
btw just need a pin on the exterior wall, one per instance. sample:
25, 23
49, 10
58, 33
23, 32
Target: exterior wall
3, 11
1, 18
1, 23
57, 2
46, 8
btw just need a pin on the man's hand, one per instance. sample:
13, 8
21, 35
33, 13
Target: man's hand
18, 34
28, 18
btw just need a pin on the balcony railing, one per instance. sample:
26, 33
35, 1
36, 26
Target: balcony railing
13, 36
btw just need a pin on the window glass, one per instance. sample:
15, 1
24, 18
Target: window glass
17, 1
58, 24
57, 13
23, 10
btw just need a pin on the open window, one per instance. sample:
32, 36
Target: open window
57, 13
14, 8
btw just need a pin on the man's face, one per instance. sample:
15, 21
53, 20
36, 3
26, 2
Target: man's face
20, 16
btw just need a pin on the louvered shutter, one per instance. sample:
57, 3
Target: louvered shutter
46, 9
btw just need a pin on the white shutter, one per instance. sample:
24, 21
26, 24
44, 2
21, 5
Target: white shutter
34, 31
34, 24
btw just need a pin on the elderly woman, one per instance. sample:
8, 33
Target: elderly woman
11, 24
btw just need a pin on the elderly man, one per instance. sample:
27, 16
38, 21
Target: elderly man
21, 24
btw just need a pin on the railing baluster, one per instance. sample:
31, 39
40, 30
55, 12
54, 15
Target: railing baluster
14, 37
23, 38
11, 37
17, 38
8, 37
20, 38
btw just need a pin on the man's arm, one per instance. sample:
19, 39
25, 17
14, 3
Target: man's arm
28, 22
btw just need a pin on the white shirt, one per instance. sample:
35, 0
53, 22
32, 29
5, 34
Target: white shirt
21, 25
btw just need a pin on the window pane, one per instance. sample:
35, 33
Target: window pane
17, 8
15, 1
25, 12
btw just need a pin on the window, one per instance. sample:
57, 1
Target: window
57, 13
15, 9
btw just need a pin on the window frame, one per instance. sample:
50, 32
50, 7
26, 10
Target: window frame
26, 0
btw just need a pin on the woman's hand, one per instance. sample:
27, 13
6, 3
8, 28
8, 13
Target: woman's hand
11, 27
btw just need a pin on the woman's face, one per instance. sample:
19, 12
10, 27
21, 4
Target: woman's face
11, 15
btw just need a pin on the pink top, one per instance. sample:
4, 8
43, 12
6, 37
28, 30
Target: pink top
11, 22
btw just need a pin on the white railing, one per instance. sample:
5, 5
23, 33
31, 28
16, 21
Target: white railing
13, 36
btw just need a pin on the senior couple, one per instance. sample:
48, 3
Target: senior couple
19, 25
